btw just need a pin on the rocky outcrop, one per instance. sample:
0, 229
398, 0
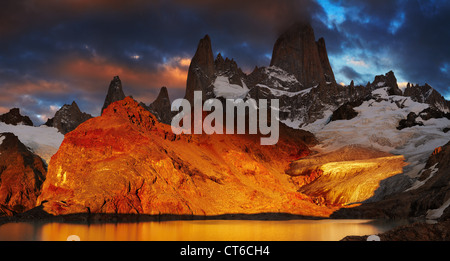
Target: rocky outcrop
68, 118
427, 94
201, 71
388, 80
414, 119
14, 117
297, 52
127, 162
409, 122
22, 174
115, 93
346, 111
412, 232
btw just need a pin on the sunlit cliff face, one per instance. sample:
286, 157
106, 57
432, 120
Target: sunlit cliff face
126, 162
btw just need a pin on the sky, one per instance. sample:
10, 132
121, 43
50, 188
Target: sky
53, 52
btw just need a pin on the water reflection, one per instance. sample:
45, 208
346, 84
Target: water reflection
200, 230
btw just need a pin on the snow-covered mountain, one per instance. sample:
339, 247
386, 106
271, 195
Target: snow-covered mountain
376, 126
412, 121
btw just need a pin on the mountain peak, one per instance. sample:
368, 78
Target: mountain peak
14, 117
201, 70
67, 118
297, 52
388, 80
163, 93
115, 92
161, 107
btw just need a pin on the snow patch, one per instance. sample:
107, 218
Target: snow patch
43, 140
280, 74
376, 126
278, 93
223, 88
418, 183
437, 213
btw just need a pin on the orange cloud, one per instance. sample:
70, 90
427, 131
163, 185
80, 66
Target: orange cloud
170, 75
138, 82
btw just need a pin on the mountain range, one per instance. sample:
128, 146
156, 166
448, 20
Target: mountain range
344, 151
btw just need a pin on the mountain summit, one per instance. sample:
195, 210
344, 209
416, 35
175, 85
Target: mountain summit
14, 117
68, 118
297, 52
201, 71
115, 92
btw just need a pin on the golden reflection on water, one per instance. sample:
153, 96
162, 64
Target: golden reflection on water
202, 230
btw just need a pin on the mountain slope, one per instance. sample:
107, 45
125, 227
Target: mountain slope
128, 162
21, 175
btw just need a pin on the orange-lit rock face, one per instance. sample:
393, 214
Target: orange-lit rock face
127, 162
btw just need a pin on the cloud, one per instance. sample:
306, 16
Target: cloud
359, 63
409, 37
350, 73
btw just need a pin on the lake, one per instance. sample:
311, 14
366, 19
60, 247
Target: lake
198, 230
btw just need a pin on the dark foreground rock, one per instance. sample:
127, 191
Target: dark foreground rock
412, 232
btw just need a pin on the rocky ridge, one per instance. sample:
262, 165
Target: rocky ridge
14, 117
22, 174
67, 118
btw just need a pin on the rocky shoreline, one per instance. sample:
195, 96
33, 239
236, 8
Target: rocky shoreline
418, 231
38, 214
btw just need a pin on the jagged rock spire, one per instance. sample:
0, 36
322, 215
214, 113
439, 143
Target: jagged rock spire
115, 92
161, 107
201, 70
297, 52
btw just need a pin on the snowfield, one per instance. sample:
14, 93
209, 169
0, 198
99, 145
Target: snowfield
43, 140
376, 127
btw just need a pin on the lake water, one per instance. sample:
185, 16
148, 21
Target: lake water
198, 230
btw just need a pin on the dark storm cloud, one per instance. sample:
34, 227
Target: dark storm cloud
75, 47
409, 37
350, 73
